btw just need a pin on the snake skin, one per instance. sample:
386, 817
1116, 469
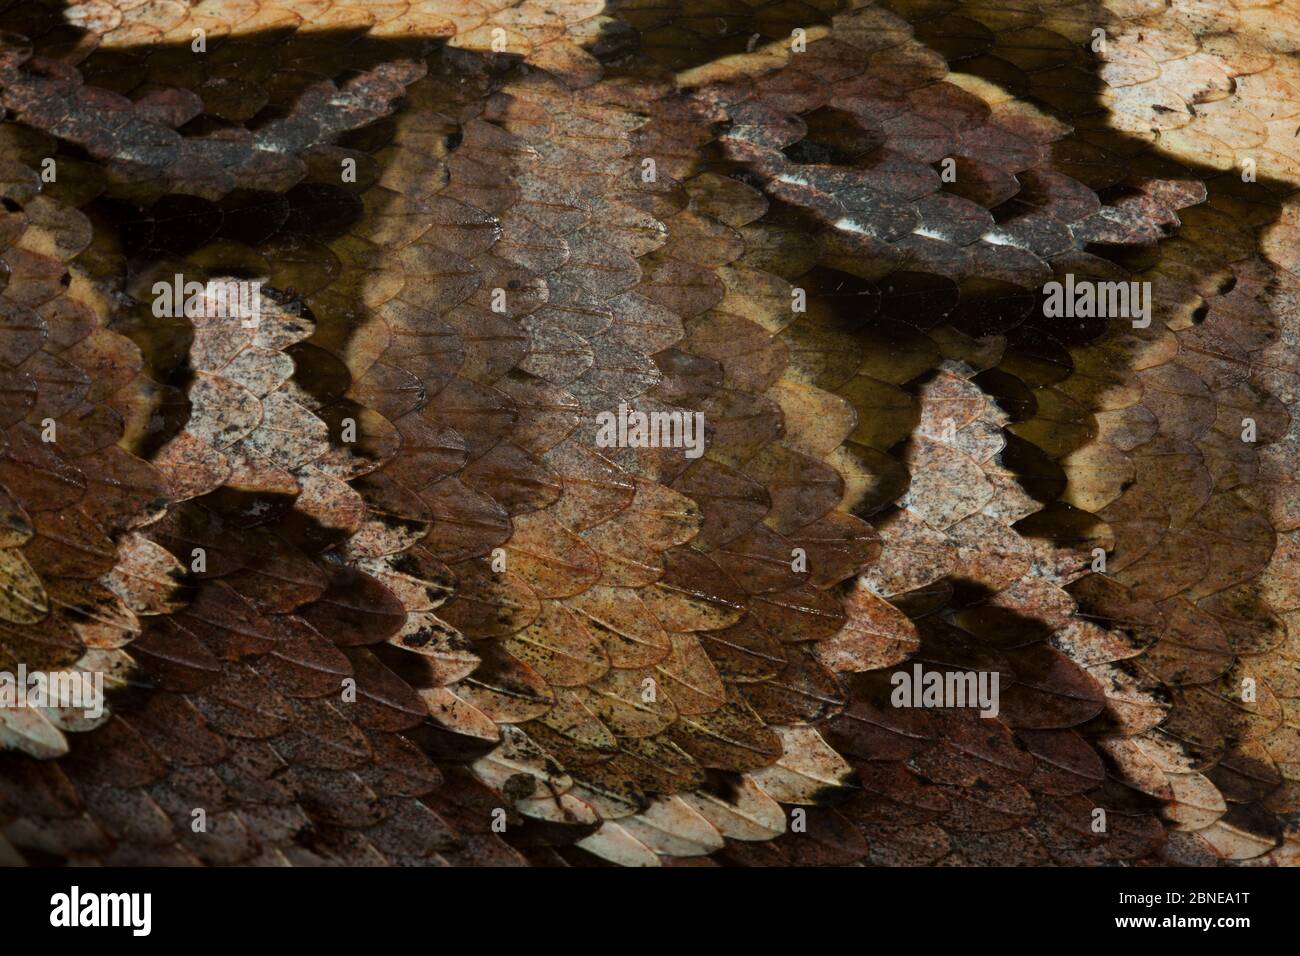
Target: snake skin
436, 621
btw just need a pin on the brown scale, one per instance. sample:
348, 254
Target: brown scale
991, 448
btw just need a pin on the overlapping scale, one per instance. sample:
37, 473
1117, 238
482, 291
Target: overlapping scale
377, 590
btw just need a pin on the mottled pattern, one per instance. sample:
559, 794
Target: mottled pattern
480, 225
